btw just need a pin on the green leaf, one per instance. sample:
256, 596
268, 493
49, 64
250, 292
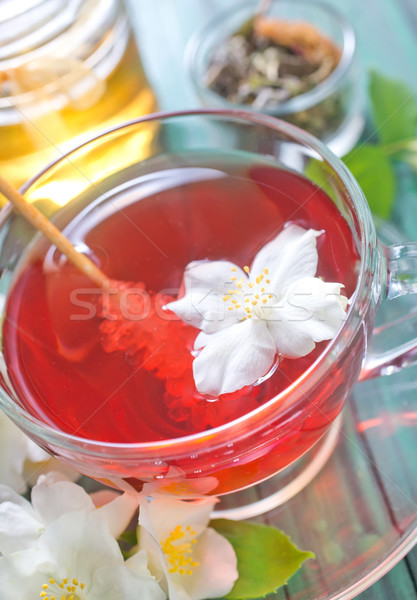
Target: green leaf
375, 175
266, 557
394, 109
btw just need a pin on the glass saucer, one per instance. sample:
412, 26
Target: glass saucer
359, 514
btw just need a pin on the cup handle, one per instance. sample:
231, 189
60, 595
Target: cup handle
401, 268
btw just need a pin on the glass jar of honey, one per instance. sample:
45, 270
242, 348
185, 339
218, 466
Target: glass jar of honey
67, 68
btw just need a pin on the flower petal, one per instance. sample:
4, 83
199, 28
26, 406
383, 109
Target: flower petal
18, 576
124, 583
206, 283
158, 518
161, 515
74, 546
13, 451
79, 543
311, 311
20, 527
36, 454
288, 257
54, 495
180, 487
233, 358
216, 571
119, 512
213, 579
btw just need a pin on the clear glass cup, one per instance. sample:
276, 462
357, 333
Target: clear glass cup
67, 69
292, 434
332, 110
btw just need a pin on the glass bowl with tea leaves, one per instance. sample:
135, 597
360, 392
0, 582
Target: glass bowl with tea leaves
295, 60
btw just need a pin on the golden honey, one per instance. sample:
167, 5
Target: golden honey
86, 77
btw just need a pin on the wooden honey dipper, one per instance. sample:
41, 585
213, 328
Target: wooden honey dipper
38, 220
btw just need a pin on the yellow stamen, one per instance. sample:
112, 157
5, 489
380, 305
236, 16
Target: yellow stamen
70, 591
233, 269
233, 278
226, 298
179, 553
254, 302
266, 271
246, 269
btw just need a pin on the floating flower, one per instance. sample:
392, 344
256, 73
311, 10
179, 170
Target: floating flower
76, 558
250, 318
22, 522
189, 559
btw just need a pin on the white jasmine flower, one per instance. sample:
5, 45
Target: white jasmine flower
76, 558
22, 522
175, 483
250, 317
189, 559
22, 459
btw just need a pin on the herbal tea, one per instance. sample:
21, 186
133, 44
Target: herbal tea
118, 366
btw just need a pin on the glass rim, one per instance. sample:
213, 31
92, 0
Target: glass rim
295, 104
39, 428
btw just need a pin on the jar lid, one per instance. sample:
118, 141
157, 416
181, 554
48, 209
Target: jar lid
33, 28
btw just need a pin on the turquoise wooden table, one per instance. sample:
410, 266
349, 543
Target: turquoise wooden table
387, 42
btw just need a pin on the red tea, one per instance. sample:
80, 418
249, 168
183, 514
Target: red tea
128, 380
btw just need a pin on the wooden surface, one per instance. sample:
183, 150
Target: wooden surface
387, 41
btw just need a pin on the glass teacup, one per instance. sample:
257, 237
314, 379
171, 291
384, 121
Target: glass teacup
290, 435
